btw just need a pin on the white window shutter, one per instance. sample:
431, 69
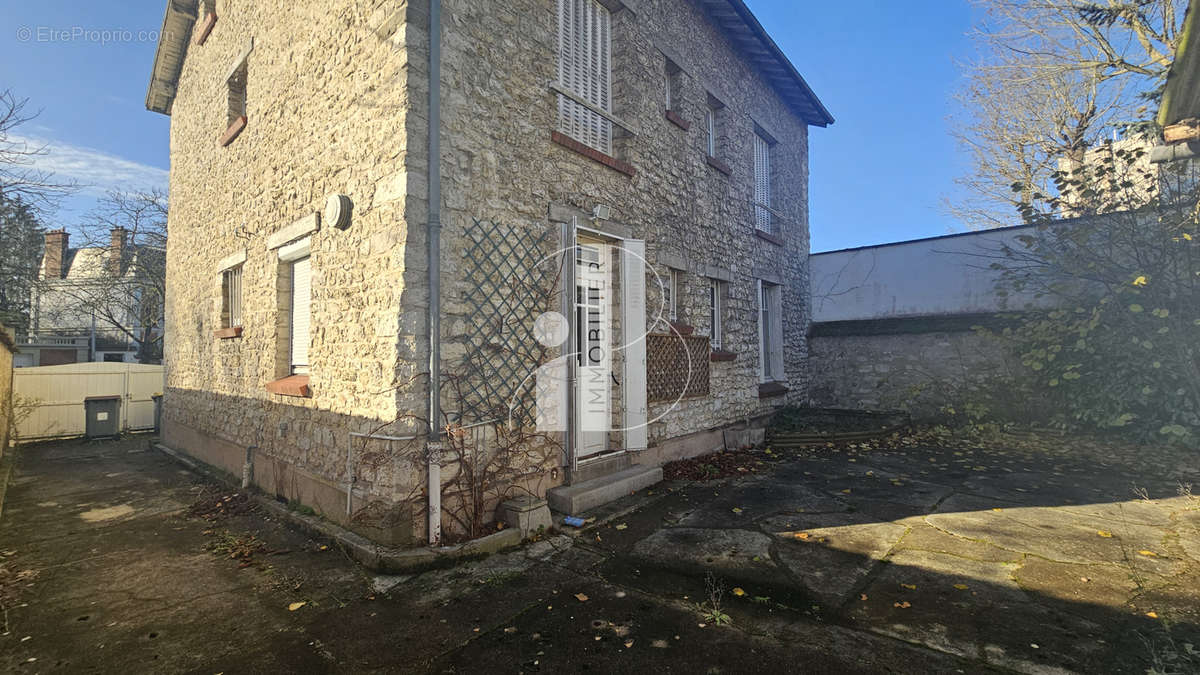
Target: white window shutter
301, 313
762, 182
633, 325
585, 69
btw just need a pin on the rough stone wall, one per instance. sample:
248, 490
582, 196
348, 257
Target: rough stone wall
500, 164
327, 106
915, 370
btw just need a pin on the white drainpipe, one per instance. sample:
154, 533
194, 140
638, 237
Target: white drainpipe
434, 447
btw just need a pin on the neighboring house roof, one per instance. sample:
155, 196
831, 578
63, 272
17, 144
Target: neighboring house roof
90, 263
1181, 97
731, 16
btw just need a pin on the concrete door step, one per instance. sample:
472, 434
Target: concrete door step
575, 499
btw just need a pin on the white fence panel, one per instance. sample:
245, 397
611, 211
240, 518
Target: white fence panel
50, 399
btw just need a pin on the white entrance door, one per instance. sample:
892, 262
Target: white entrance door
593, 347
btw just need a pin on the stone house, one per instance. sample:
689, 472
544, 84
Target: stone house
95, 303
640, 165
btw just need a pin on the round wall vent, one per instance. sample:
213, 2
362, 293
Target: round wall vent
337, 211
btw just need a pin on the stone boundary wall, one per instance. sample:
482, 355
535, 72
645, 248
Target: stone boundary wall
911, 364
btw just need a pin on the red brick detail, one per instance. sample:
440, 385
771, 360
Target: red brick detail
722, 355
210, 20
678, 121
592, 153
767, 236
230, 332
718, 165
769, 389
234, 129
294, 385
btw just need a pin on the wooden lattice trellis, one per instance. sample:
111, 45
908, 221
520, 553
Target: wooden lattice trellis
676, 366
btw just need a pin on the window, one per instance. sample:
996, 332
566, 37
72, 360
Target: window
237, 95
300, 314
673, 294
710, 130
770, 333
715, 289
762, 184
585, 70
231, 297
671, 85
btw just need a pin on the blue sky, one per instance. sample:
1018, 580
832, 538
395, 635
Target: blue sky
885, 70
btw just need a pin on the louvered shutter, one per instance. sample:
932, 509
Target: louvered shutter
633, 326
762, 183
301, 313
585, 69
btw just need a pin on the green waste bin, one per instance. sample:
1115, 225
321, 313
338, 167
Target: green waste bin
103, 416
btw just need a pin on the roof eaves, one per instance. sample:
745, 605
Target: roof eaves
177, 24
814, 112
1181, 96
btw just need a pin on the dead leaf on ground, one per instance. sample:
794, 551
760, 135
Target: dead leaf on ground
296, 605
1104, 533
738, 591
961, 587
1148, 554
911, 587
1152, 615
622, 526
902, 605
581, 597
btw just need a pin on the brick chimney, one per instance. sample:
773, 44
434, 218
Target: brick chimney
55, 255
116, 251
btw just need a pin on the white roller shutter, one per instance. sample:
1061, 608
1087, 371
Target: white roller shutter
762, 182
585, 69
633, 327
301, 313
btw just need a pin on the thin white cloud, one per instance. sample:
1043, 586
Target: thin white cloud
96, 171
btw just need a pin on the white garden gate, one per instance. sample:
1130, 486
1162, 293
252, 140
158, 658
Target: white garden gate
49, 400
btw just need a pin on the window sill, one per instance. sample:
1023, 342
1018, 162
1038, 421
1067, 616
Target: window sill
292, 385
235, 128
722, 355
718, 165
681, 328
592, 153
210, 20
770, 389
226, 333
676, 119
767, 236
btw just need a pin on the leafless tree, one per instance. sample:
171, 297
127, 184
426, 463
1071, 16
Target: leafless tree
20, 179
1050, 79
126, 296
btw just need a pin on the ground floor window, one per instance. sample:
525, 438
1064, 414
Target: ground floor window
715, 291
770, 332
300, 314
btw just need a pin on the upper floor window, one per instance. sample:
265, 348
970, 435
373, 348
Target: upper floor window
710, 130
762, 184
671, 74
585, 70
235, 84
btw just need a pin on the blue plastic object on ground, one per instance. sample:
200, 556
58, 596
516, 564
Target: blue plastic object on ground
573, 521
